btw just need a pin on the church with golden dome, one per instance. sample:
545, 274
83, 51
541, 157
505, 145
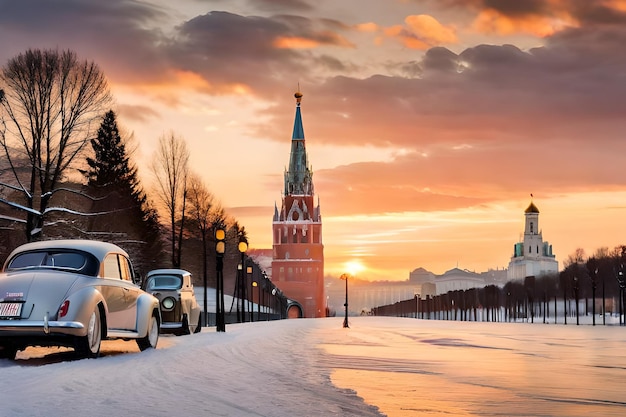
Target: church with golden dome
532, 256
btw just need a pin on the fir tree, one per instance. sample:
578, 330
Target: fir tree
112, 176
111, 163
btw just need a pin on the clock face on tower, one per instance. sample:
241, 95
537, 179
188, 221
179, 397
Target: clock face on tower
306, 251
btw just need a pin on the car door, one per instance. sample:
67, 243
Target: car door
131, 291
121, 303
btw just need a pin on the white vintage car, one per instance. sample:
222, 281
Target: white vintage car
179, 309
73, 293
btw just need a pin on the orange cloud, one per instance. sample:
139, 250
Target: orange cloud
295, 42
617, 4
367, 27
422, 32
166, 89
492, 22
319, 39
430, 29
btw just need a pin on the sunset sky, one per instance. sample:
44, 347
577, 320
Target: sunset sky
428, 123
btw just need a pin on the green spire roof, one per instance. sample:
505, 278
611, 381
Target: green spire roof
298, 130
298, 178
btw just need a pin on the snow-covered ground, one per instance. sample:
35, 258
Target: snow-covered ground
315, 367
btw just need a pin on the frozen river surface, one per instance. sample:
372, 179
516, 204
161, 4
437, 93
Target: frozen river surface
315, 367
411, 367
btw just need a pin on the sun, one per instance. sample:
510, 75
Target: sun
354, 267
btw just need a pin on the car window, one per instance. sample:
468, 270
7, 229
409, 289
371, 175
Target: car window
164, 282
71, 260
27, 260
111, 267
59, 259
125, 268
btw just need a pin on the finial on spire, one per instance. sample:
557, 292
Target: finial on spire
298, 95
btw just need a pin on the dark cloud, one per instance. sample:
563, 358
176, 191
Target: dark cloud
233, 49
518, 8
510, 8
139, 113
125, 36
113, 32
281, 5
441, 59
582, 11
48, 15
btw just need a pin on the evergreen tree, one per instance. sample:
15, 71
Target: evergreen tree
111, 163
112, 176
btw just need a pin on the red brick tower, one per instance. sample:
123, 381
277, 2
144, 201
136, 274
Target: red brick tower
298, 252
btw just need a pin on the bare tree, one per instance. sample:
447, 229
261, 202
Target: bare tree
51, 104
170, 166
207, 213
578, 257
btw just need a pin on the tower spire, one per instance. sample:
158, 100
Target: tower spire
298, 178
298, 130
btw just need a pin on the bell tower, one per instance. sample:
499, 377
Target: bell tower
532, 256
297, 249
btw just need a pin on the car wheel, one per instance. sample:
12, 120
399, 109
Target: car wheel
152, 337
89, 345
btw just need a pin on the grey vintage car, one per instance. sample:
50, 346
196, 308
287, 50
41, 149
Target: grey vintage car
73, 293
179, 308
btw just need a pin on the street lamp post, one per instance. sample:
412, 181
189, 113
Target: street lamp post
576, 298
220, 246
345, 320
251, 295
266, 296
205, 311
243, 247
238, 292
622, 285
258, 302
274, 302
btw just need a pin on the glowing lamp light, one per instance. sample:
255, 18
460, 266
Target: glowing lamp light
220, 245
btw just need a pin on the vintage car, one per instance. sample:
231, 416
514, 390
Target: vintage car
180, 312
73, 293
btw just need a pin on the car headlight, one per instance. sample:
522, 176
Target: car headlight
168, 303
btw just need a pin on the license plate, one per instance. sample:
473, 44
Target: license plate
10, 310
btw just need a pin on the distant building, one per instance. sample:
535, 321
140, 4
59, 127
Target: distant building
297, 249
458, 279
364, 295
455, 279
421, 276
532, 256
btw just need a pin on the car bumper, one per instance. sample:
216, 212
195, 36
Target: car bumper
169, 326
42, 327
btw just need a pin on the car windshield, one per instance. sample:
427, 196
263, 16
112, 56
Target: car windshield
164, 282
78, 261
